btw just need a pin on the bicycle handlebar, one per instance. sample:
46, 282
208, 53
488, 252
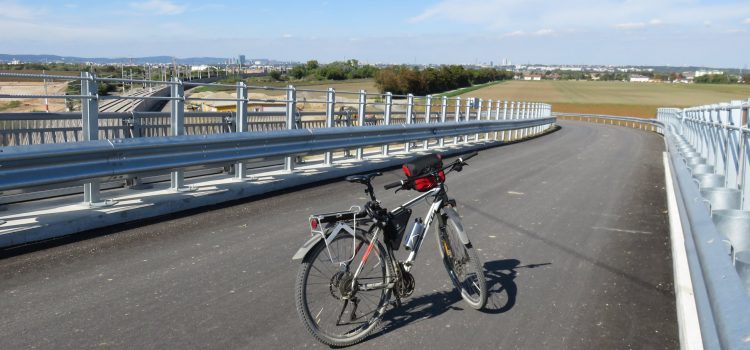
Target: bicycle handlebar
467, 157
394, 184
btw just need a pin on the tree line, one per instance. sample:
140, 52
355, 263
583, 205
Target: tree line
406, 79
339, 70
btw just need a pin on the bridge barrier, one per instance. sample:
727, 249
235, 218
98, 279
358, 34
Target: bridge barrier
109, 149
707, 161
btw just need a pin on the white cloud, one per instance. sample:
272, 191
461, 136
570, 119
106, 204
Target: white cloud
629, 26
544, 32
747, 20
514, 33
286, 35
158, 7
503, 15
13, 10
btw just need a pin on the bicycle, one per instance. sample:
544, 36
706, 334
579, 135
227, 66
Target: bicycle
348, 276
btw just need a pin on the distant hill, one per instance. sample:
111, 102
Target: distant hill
117, 60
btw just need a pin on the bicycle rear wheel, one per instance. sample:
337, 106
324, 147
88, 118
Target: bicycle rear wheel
462, 263
332, 311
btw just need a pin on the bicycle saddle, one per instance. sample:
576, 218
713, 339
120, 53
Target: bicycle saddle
364, 178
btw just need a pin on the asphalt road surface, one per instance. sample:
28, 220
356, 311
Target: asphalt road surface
572, 229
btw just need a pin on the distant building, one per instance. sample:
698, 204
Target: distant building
242, 60
532, 77
637, 78
15, 62
201, 67
700, 73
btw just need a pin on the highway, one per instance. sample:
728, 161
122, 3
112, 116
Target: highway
572, 228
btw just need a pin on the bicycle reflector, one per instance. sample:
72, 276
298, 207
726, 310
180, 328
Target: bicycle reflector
314, 224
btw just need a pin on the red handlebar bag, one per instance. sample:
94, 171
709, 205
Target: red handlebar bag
420, 171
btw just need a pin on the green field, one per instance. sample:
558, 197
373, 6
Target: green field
615, 98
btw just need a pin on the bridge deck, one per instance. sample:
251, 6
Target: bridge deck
572, 228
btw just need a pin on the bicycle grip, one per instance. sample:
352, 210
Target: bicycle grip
398, 183
468, 156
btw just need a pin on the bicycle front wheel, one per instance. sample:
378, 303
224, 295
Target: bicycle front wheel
461, 261
337, 309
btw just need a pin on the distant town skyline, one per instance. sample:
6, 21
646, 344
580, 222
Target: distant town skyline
634, 32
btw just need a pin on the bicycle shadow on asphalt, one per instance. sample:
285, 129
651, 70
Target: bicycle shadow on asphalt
501, 287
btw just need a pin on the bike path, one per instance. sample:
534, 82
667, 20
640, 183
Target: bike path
571, 226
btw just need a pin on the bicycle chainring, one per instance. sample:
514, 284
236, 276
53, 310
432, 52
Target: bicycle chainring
406, 284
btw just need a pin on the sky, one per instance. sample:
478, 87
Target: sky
630, 32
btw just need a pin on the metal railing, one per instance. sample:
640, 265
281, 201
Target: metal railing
708, 151
90, 147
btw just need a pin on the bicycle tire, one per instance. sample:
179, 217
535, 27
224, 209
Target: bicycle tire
303, 291
456, 258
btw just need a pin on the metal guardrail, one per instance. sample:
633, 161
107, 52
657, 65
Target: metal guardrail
708, 158
179, 139
107, 160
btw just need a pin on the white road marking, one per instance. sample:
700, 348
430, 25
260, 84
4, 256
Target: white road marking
620, 230
516, 193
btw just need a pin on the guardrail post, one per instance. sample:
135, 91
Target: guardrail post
291, 114
457, 116
330, 110
723, 134
504, 134
526, 115
744, 176
361, 110
497, 115
387, 115
240, 122
521, 116
733, 150
427, 111
443, 115
90, 124
409, 117
177, 122
512, 134
469, 104
479, 117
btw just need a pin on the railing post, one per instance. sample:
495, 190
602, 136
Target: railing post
409, 117
387, 116
330, 110
513, 134
479, 117
744, 176
525, 116
291, 114
489, 117
90, 124
427, 111
457, 116
443, 115
469, 104
240, 122
362, 109
504, 135
177, 123
733, 151
724, 133
497, 114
